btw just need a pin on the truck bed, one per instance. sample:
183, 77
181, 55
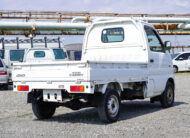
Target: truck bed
52, 71
56, 75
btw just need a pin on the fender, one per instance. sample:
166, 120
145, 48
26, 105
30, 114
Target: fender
103, 87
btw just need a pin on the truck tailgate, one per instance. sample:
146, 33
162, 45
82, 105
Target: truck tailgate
52, 71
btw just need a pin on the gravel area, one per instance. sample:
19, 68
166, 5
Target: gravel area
138, 118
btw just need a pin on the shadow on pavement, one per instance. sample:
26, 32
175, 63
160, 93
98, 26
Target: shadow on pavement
128, 110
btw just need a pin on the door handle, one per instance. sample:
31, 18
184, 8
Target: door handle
151, 60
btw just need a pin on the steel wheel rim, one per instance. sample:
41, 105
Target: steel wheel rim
170, 95
113, 106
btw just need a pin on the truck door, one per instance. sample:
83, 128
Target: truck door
159, 62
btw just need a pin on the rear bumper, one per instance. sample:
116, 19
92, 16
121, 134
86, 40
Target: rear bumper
50, 85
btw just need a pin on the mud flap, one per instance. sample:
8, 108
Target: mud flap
150, 89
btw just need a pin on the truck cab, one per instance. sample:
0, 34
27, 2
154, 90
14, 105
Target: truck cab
45, 55
14, 50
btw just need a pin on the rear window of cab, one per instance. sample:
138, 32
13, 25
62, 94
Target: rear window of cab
39, 54
112, 35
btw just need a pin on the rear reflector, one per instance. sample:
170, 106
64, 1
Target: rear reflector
77, 88
23, 88
3, 72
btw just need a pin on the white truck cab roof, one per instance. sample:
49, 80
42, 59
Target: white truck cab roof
45, 54
114, 35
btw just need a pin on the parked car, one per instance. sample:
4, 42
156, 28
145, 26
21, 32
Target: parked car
3, 75
174, 55
182, 62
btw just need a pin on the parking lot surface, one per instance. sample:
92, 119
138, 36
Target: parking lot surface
138, 118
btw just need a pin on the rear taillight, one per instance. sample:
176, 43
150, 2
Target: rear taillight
77, 88
3, 72
22, 88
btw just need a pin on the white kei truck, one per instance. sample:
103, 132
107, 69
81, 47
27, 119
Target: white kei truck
122, 59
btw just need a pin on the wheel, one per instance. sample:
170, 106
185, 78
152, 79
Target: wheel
109, 106
151, 100
43, 110
6, 86
167, 97
175, 69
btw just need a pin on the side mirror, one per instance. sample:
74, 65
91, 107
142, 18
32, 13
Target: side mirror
167, 45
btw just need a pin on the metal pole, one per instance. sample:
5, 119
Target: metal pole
31, 41
45, 39
59, 42
17, 42
3, 43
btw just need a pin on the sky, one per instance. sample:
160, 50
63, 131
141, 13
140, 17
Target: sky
118, 6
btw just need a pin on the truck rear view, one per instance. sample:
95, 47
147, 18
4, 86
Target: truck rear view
122, 59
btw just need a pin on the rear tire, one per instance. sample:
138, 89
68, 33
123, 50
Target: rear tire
4, 86
43, 110
109, 106
168, 96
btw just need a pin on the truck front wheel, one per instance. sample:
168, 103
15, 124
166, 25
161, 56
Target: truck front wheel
167, 97
43, 110
109, 106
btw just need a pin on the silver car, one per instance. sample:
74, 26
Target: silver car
3, 76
